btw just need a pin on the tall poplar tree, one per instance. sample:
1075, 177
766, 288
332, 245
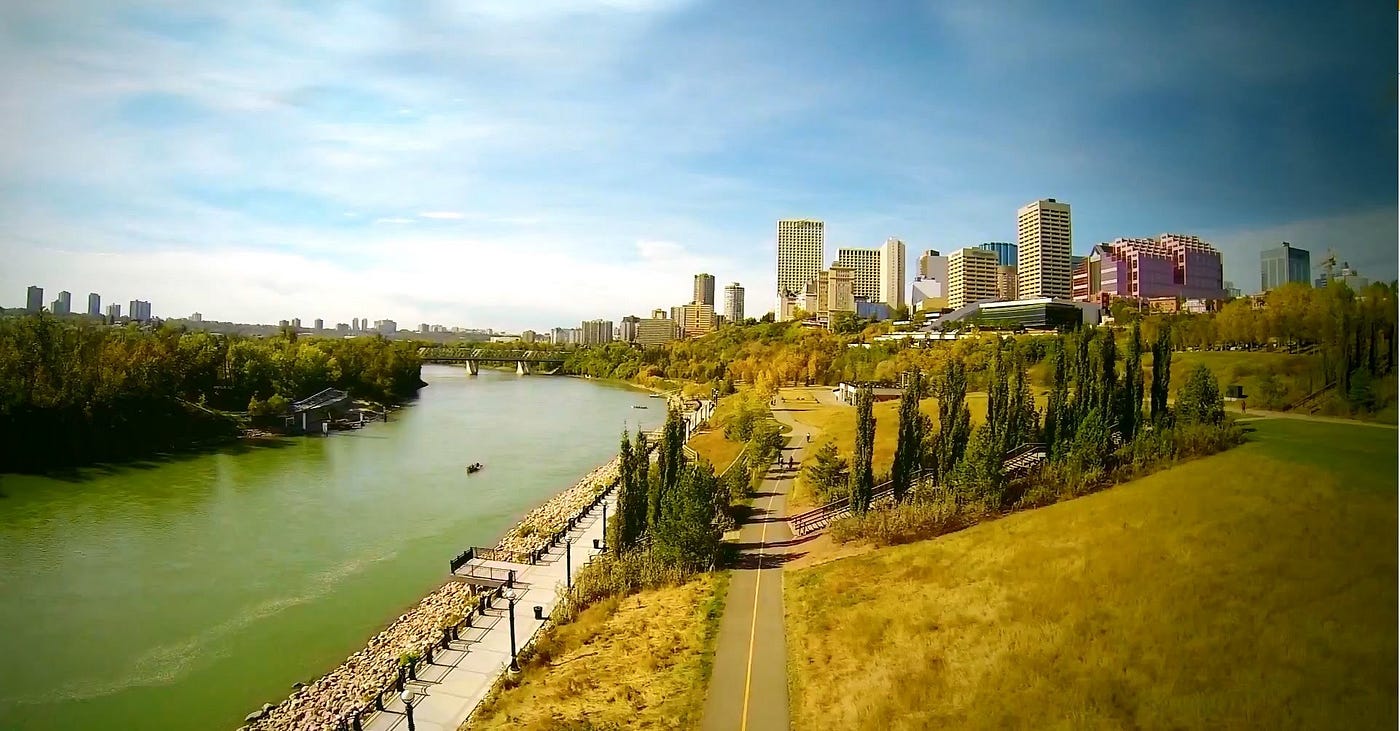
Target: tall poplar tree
1059, 422
621, 529
909, 444
862, 476
1131, 413
1161, 372
954, 419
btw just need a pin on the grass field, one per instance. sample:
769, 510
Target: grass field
639, 662
1252, 589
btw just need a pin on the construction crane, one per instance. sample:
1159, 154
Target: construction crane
1327, 264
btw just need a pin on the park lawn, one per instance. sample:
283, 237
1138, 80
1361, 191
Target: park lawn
714, 447
1251, 589
638, 662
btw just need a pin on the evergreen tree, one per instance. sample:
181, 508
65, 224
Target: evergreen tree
1022, 420
1161, 373
686, 532
828, 473
1130, 414
1199, 400
1106, 357
862, 476
954, 419
670, 461
1082, 371
641, 485
620, 527
997, 394
909, 442
1059, 423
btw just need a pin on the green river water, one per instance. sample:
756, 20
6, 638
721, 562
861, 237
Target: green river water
183, 593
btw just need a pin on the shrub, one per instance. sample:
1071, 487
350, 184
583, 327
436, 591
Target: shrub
607, 576
908, 521
1199, 400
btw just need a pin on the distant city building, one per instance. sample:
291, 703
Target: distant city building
197, 317
864, 263
892, 266
1231, 290
734, 302
386, 327
788, 305
1348, 276
972, 276
1006, 280
597, 332
1006, 253
423, 328
138, 310
872, 310
704, 290
928, 295
627, 329
658, 314
697, 320
355, 324
932, 266
342, 328
1284, 263
114, 312
835, 292
284, 323
801, 249
94, 304
655, 331
64, 304
1043, 243
296, 322
1170, 265
34, 299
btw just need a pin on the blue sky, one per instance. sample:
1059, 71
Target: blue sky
530, 164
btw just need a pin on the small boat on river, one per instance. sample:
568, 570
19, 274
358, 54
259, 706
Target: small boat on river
638, 406
473, 468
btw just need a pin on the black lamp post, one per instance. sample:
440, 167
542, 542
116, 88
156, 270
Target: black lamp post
511, 597
409, 695
605, 524
568, 563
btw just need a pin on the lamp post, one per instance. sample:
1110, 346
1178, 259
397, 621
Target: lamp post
568, 563
511, 596
409, 695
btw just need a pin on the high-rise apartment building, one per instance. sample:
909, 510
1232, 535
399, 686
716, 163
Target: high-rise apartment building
1006, 253
319, 323
801, 248
865, 265
655, 331
94, 304
64, 304
697, 320
138, 310
385, 327
1284, 263
1043, 242
114, 312
972, 276
734, 303
1006, 281
704, 290
892, 273
597, 332
627, 329
34, 298
196, 317
296, 322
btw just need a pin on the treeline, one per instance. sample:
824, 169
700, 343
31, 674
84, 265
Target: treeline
74, 392
1095, 429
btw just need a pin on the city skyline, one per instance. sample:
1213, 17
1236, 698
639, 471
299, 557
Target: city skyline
336, 162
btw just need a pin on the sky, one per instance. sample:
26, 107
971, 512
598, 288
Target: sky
531, 164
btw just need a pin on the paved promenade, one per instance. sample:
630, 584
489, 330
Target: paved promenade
460, 677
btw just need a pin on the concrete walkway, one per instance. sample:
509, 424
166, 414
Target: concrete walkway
748, 685
459, 678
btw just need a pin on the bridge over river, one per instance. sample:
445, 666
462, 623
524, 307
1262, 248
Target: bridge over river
526, 361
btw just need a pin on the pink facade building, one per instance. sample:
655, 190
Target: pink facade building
1170, 265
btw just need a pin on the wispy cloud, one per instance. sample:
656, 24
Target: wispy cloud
395, 221
443, 215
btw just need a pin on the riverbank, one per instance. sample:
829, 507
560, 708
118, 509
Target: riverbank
353, 684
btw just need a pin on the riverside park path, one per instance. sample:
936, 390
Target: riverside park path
748, 685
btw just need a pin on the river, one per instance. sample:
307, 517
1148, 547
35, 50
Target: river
183, 593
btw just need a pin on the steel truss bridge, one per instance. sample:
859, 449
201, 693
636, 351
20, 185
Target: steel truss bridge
526, 361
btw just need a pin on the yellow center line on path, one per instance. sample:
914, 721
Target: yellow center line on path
753, 626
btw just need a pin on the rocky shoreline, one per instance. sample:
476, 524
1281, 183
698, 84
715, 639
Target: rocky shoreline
351, 686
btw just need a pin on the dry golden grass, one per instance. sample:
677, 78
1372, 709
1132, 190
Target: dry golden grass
1252, 589
639, 662
715, 448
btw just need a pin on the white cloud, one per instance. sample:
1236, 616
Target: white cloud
395, 221
443, 215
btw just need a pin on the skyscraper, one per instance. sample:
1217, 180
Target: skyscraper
972, 276
1281, 264
1006, 282
354, 324
597, 332
801, 247
94, 304
704, 290
626, 329
697, 319
320, 324
1006, 253
1043, 243
865, 263
892, 273
934, 266
138, 310
114, 312
734, 303
34, 299
64, 304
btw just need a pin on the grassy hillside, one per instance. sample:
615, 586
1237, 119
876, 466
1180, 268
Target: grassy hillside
639, 662
1252, 589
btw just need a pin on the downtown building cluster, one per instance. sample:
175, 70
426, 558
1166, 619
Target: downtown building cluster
137, 310
866, 282
698, 317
